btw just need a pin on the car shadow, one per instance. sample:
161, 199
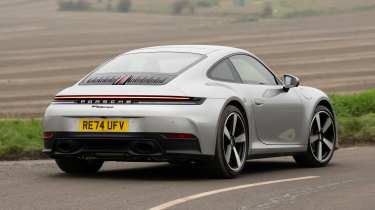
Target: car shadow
167, 172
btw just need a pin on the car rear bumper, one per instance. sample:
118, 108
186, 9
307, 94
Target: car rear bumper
122, 146
145, 122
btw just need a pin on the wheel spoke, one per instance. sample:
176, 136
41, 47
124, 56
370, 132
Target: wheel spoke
314, 138
234, 142
317, 117
322, 136
240, 139
237, 157
226, 132
234, 124
320, 151
228, 153
327, 124
328, 143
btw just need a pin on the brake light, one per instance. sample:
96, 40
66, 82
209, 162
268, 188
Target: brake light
47, 136
179, 136
129, 99
123, 97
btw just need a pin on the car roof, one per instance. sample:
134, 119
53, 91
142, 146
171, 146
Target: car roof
200, 49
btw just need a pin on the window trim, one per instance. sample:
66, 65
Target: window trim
227, 57
277, 81
237, 78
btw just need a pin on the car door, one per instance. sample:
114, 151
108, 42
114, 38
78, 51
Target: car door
278, 114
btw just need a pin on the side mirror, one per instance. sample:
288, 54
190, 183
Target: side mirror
290, 81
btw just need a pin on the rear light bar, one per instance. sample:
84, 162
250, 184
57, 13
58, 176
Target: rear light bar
123, 97
127, 99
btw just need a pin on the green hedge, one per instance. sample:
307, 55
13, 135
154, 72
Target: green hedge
356, 117
357, 130
354, 105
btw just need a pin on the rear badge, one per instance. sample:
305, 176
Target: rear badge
104, 101
102, 107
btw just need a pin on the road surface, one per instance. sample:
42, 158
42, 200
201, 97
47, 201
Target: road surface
347, 183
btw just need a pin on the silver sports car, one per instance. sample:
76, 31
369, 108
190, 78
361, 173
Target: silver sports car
211, 105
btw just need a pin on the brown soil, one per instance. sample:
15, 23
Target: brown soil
42, 50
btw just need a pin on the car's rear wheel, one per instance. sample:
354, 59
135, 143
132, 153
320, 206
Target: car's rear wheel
232, 143
322, 140
79, 166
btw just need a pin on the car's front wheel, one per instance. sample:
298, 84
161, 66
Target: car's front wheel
322, 140
79, 166
232, 143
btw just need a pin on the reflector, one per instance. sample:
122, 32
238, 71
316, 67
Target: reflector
47, 135
179, 136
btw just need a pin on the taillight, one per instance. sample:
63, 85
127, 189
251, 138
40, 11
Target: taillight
130, 99
179, 136
47, 136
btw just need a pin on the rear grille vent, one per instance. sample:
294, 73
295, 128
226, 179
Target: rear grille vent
145, 80
131, 79
101, 80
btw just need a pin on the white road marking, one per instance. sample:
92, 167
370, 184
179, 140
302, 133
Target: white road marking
213, 192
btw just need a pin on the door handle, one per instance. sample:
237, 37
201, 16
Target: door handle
259, 101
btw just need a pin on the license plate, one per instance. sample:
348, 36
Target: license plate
99, 125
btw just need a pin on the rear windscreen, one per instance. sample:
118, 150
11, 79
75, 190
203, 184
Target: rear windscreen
159, 62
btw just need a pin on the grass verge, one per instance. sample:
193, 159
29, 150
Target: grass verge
21, 139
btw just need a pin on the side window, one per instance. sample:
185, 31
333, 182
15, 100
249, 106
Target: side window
252, 71
223, 71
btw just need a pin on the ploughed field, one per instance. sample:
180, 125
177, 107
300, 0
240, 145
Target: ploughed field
43, 50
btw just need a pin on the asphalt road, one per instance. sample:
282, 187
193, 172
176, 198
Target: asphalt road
347, 183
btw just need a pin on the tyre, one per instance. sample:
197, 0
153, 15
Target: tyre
79, 166
322, 140
232, 143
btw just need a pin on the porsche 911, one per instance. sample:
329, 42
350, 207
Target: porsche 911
211, 105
